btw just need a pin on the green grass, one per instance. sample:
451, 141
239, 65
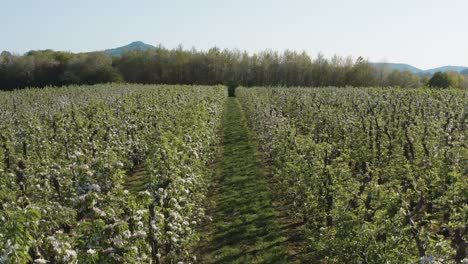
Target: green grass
244, 228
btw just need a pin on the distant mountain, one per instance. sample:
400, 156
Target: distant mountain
446, 69
407, 67
137, 45
397, 66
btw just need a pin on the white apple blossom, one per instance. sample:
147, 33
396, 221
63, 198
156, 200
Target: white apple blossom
70, 255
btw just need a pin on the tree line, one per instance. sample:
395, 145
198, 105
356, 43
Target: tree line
214, 66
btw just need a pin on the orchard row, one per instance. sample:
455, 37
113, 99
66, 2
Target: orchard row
65, 154
376, 175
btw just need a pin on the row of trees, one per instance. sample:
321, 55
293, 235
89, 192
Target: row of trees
42, 68
447, 79
465, 78
215, 66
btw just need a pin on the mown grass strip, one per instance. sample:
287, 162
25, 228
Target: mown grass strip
137, 179
245, 226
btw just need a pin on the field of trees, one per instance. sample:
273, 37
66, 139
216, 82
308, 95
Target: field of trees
127, 173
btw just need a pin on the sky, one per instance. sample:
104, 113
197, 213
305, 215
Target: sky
423, 33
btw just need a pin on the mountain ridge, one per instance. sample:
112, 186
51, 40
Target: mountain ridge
136, 45
410, 68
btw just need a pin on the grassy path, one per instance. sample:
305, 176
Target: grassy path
244, 227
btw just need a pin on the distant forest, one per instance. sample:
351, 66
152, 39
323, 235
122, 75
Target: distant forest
215, 66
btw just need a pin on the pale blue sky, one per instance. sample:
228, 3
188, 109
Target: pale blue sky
424, 33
